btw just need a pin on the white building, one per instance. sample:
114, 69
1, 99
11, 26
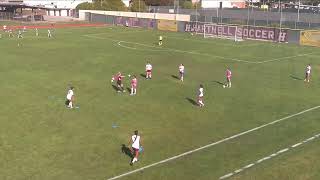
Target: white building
223, 3
67, 4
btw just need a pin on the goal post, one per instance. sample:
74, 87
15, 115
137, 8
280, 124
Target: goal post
221, 31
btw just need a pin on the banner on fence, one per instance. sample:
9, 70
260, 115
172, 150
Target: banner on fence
135, 22
244, 32
310, 38
167, 25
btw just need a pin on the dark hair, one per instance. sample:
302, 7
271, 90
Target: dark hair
201, 85
136, 132
71, 87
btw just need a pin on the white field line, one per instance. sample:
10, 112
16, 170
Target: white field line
212, 144
190, 52
171, 49
282, 58
269, 157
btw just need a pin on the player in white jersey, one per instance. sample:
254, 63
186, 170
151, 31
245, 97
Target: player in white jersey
135, 146
308, 73
181, 72
37, 32
49, 33
148, 70
70, 98
200, 96
160, 40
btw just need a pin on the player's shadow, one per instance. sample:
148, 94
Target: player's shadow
218, 82
295, 77
115, 87
143, 75
129, 90
175, 77
125, 150
193, 102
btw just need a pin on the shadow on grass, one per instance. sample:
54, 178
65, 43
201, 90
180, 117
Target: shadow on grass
143, 75
125, 150
218, 82
175, 77
115, 87
193, 102
296, 78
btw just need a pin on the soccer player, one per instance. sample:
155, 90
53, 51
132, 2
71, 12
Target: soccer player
5, 28
118, 77
181, 71
148, 70
308, 73
49, 33
228, 76
134, 83
10, 33
160, 40
24, 28
37, 33
200, 96
135, 146
70, 98
19, 34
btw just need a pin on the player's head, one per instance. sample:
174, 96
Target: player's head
71, 87
201, 86
136, 132
134, 76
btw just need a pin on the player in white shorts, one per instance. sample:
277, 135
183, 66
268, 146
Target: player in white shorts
70, 98
181, 72
135, 146
308, 73
148, 70
200, 96
20, 34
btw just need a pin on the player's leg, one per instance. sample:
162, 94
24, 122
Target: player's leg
135, 91
132, 90
229, 82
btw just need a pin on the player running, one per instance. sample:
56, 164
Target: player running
20, 34
148, 70
70, 98
134, 83
135, 145
118, 77
228, 77
49, 33
160, 40
200, 96
10, 33
308, 73
181, 72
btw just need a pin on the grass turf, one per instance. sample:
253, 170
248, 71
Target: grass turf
41, 139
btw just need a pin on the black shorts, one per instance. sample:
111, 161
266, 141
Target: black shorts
67, 102
119, 83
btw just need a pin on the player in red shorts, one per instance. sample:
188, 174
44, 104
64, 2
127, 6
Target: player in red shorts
134, 83
228, 76
118, 77
148, 70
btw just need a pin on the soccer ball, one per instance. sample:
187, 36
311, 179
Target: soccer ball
223, 86
191, 34
129, 75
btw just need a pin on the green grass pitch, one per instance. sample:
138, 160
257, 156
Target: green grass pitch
40, 139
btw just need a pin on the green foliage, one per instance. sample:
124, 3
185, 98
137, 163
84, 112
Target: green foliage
106, 5
138, 6
187, 5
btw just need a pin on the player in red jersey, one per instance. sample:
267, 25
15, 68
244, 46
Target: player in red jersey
228, 76
118, 77
134, 83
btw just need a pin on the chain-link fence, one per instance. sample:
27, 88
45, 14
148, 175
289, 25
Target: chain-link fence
284, 18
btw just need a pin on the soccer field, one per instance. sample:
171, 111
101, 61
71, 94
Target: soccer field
265, 127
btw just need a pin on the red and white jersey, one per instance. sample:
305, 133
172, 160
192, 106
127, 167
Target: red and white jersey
134, 82
148, 67
308, 69
181, 68
228, 74
200, 93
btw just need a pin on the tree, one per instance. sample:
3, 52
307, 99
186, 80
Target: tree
159, 2
186, 4
138, 6
106, 5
